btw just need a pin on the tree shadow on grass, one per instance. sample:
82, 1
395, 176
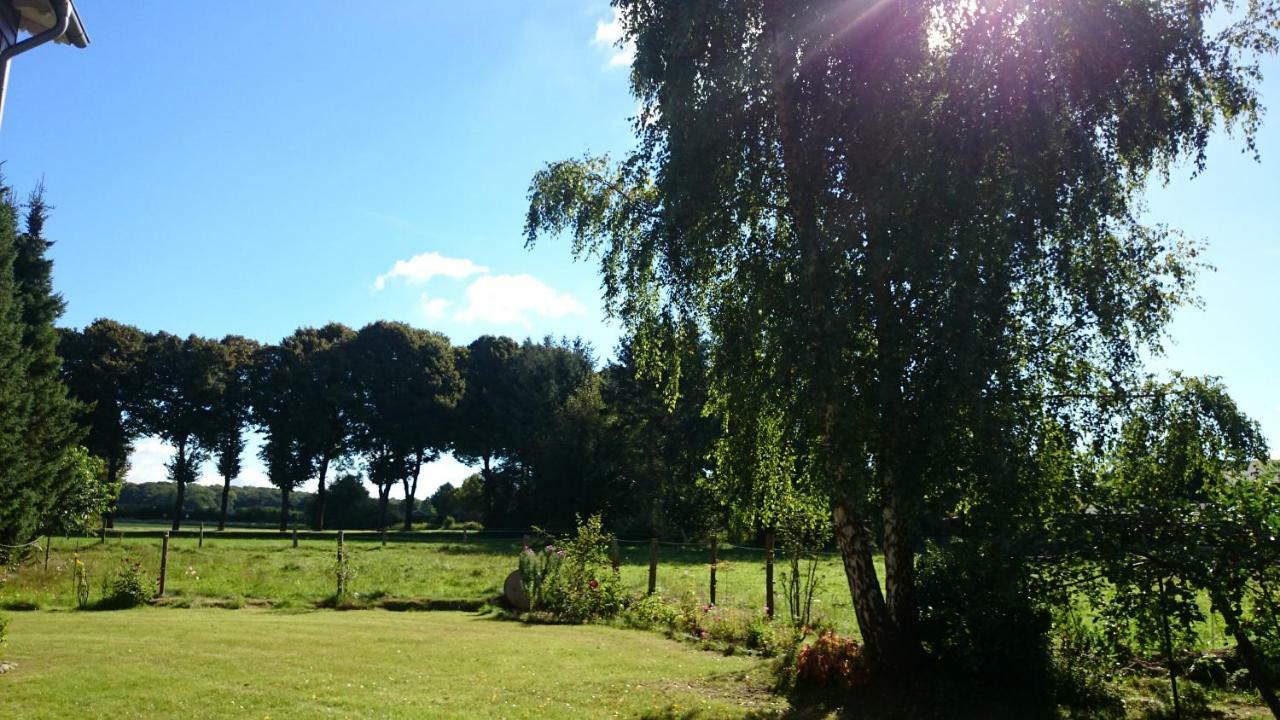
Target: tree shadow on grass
917, 701
935, 698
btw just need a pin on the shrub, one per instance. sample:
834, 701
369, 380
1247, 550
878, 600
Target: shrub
651, 612
979, 615
709, 622
829, 660
725, 624
1211, 671
130, 586
574, 581
1083, 661
767, 637
451, 523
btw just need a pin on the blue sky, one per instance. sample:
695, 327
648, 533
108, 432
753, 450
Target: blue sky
216, 172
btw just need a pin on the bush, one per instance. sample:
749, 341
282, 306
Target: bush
130, 586
450, 523
709, 622
1083, 663
978, 615
574, 581
1210, 671
831, 660
651, 612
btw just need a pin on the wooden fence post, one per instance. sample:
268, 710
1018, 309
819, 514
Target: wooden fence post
615, 554
713, 570
47, 540
295, 536
768, 574
342, 589
464, 534
103, 540
201, 543
384, 537
653, 565
164, 560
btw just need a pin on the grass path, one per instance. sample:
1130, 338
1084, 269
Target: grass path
208, 663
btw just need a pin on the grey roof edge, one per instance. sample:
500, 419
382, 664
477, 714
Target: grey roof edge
75, 33
37, 16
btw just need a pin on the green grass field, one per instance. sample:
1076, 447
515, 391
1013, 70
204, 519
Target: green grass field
280, 655
208, 663
231, 570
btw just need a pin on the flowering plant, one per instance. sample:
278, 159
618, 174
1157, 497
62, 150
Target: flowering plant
80, 580
538, 573
572, 578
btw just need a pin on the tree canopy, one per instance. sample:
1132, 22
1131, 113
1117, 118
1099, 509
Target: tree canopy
904, 226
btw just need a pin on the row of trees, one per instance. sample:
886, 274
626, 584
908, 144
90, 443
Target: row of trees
553, 436
350, 506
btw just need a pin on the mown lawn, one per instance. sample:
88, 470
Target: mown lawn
209, 663
233, 571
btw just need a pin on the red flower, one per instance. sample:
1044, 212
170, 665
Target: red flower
594, 584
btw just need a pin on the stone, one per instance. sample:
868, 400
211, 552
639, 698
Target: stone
513, 590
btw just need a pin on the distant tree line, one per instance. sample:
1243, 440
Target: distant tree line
555, 437
351, 507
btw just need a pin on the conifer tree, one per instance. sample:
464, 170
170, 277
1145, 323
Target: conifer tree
37, 427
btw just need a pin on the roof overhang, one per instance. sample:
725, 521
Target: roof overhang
37, 16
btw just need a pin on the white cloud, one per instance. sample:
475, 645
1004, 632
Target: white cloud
421, 268
147, 463
434, 308
511, 299
151, 455
610, 35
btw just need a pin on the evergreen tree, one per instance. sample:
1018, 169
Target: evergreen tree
17, 495
37, 427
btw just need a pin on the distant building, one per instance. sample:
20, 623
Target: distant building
25, 24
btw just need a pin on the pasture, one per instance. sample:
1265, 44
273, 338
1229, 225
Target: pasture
236, 569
